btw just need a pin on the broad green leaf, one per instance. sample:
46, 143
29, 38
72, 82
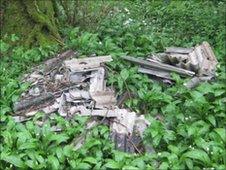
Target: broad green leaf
83, 166
60, 154
129, 167
30, 163
112, 164
90, 160
15, 160
198, 155
221, 132
67, 150
27, 145
174, 149
124, 74
139, 162
201, 143
164, 166
59, 138
120, 83
212, 120
54, 162
189, 163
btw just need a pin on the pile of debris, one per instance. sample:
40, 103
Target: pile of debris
72, 86
77, 86
198, 62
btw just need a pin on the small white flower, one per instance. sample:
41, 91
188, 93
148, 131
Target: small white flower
126, 9
207, 148
159, 154
190, 146
127, 22
186, 118
211, 153
100, 42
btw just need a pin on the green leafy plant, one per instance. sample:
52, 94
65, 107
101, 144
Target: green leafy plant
187, 128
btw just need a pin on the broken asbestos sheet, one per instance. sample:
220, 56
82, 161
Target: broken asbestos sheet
199, 63
72, 86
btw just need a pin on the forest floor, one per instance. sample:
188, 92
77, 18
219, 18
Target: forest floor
187, 127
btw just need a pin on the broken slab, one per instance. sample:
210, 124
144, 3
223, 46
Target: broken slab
76, 87
104, 99
83, 111
155, 72
195, 81
124, 122
179, 50
81, 64
28, 103
206, 58
55, 62
97, 80
159, 66
198, 62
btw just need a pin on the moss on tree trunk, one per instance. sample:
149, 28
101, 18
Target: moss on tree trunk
33, 20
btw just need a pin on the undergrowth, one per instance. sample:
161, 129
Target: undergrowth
187, 127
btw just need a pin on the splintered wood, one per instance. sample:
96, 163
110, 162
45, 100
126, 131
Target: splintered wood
198, 62
77, 86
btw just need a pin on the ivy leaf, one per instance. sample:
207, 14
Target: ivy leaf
198, 155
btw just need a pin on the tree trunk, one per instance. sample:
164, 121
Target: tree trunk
32, 20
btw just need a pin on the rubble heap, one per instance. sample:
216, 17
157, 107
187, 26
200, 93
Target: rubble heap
198, 62
77, 86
